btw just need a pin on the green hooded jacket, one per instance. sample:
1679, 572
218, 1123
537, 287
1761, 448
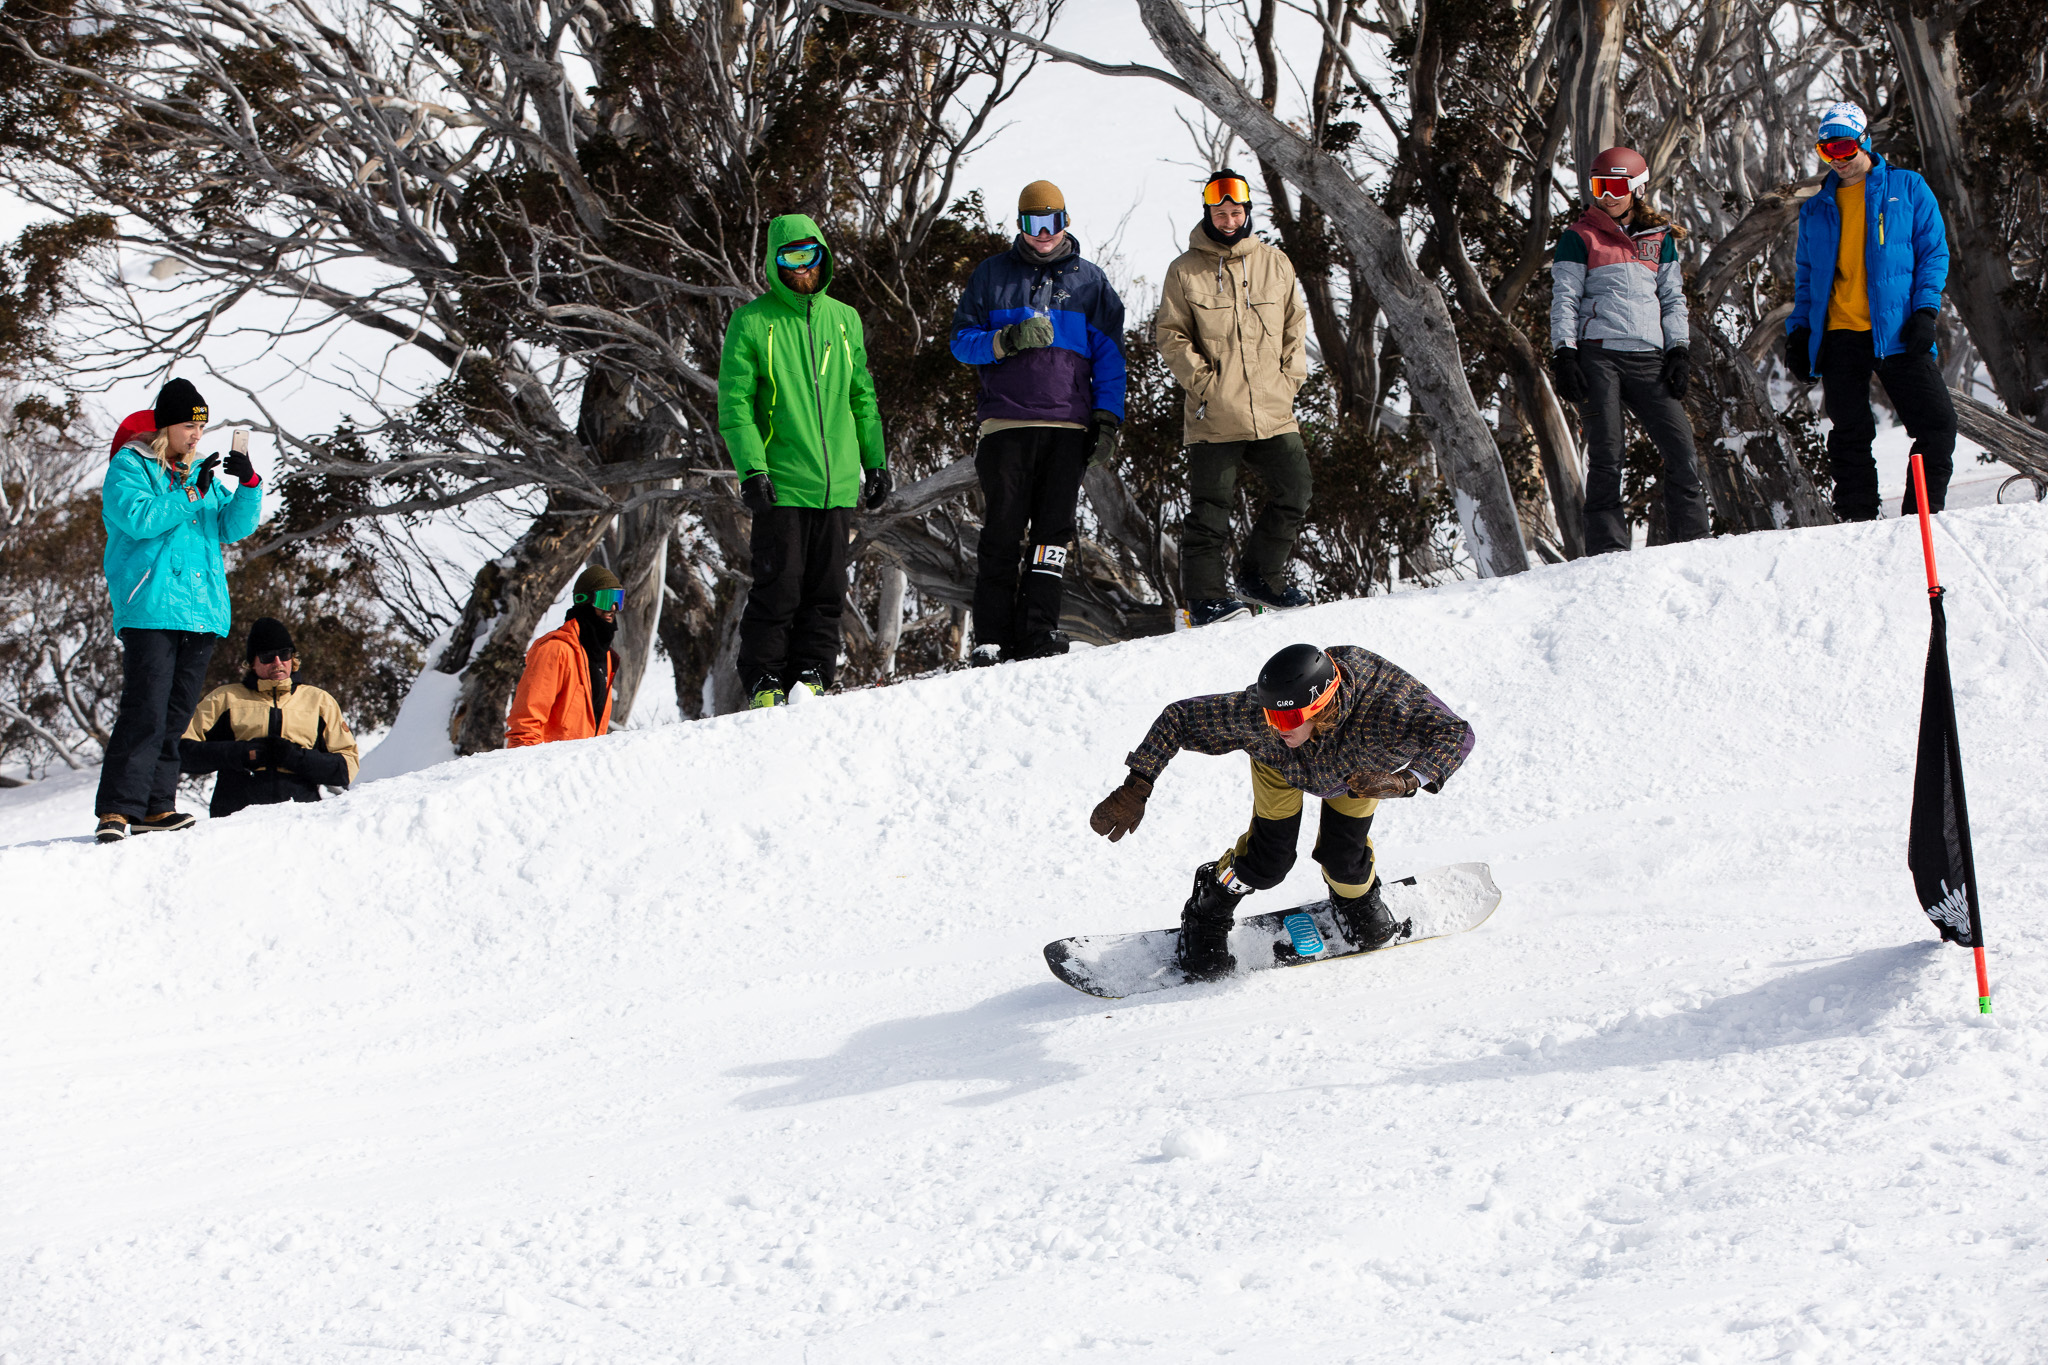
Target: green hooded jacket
794, 394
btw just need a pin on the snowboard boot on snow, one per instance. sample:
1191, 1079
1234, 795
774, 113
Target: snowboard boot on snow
1044, 645
1255, 585
1205, 924
163, 820
113, 829
985, 656
1210, 610
1365, 919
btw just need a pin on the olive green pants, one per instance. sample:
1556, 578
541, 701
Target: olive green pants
1264, 854
1282, 461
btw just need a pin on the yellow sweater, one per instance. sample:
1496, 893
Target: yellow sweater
1849, 300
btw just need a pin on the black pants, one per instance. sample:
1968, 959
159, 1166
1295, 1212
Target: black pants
162, 675
1282, 461
1030, 479
1913, 383
791, 624
1634, 380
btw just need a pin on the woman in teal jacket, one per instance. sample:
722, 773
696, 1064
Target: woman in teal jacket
168, 526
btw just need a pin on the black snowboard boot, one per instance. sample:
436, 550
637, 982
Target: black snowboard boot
1365, 919
1205, 924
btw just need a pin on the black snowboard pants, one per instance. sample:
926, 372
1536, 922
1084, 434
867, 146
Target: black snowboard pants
1282, 461
162, 674
1030, 480
1914, 384
791, 624
1634, 380
1264, 854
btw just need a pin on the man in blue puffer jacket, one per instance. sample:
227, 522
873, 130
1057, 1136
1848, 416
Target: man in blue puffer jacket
1045, 329
1872, 260
168, 522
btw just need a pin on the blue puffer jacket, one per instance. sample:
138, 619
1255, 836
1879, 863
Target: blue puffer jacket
164, 551
1905, 255
1082, 370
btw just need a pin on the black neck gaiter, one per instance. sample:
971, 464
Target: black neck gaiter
1216, 234
596, 634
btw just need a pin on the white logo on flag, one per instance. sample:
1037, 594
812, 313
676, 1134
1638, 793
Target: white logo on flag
1953, 909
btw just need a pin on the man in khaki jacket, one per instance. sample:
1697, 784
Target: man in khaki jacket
1232, 328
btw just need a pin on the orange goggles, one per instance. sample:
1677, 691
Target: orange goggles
1838, 148
1301, 715
1617, 186
1235, 190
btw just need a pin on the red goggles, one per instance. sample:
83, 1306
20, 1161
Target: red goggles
1838, 148
1617, 186
1299, 716
1236, 191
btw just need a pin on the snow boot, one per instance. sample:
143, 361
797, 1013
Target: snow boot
1205, 924
1210, 610
1366, 920
1045, 644
985, 656
163, 820
113, 829
1255, 585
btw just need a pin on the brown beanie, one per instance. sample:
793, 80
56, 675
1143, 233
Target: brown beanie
594, 579
1041, 196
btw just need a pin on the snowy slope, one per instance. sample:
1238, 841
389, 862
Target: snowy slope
731, 1041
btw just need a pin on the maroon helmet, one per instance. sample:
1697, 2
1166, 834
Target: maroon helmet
1617, 172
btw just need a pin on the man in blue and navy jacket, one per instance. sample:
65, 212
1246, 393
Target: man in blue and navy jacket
1872, 260
1046, 331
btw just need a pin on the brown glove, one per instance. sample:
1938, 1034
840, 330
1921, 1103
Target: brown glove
1383, 786
1121, 811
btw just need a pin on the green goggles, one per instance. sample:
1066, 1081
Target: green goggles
1043, 224
800, 255
604, 599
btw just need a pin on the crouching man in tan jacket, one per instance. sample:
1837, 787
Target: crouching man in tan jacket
270, 737
1232, 327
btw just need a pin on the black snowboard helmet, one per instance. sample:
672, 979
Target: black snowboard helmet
1294, 684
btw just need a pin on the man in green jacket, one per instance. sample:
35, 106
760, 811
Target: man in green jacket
796, 407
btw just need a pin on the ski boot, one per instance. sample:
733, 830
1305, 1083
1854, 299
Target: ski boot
765, 693
1366, 920
1286, 597
1205, 923
1209, 610
809, 683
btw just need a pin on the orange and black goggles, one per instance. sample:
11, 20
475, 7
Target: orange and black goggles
1226, 187
1296, 717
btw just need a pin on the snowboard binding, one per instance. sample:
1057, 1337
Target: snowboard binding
1203, 949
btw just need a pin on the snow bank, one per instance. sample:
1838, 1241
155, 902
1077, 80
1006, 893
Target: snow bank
731, 1040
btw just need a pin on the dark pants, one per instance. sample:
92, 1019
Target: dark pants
1633, 380
1282, 461
1030, 479
162, 675
1264, 853
791, 624
1913, 383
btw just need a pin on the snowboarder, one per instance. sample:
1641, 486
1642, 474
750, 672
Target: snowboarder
565, 691
271, 737
1618, 323
1045, 330
796, 406
1341, 724
168, 525
1866, 294
1233, 329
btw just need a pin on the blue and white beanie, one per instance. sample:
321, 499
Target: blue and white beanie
1844, 119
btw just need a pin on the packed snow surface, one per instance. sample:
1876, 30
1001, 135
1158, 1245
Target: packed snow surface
731, 1041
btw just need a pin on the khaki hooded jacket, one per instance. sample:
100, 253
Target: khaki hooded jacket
1233, 329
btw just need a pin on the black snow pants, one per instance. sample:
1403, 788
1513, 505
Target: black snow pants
1633, 380
1030, 480
1282, 461
1914, 384
791, 624
162, 675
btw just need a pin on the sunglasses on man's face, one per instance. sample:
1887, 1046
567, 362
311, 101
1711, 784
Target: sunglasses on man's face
274, 656
1838, 148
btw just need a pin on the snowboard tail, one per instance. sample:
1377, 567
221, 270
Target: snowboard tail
1433, 904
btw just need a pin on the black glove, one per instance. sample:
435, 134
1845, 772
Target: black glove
875, 487
1799, 354
239, 466
1677, 372
757, 493
1107, 433
315, 765
1027, 335
203, 480
1567, 375
1120, 812
1917, 336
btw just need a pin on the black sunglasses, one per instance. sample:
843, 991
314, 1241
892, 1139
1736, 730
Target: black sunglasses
272, 656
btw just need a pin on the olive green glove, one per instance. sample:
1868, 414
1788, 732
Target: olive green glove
1107, 432
1028, 335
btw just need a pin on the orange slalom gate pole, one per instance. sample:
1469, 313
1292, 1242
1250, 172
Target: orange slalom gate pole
1934, 590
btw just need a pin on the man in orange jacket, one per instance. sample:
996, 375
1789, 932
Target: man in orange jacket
566, 690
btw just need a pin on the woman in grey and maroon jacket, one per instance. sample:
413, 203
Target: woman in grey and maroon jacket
1617, 319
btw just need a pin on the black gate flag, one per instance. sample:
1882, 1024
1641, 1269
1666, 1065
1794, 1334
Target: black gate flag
1938, 837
